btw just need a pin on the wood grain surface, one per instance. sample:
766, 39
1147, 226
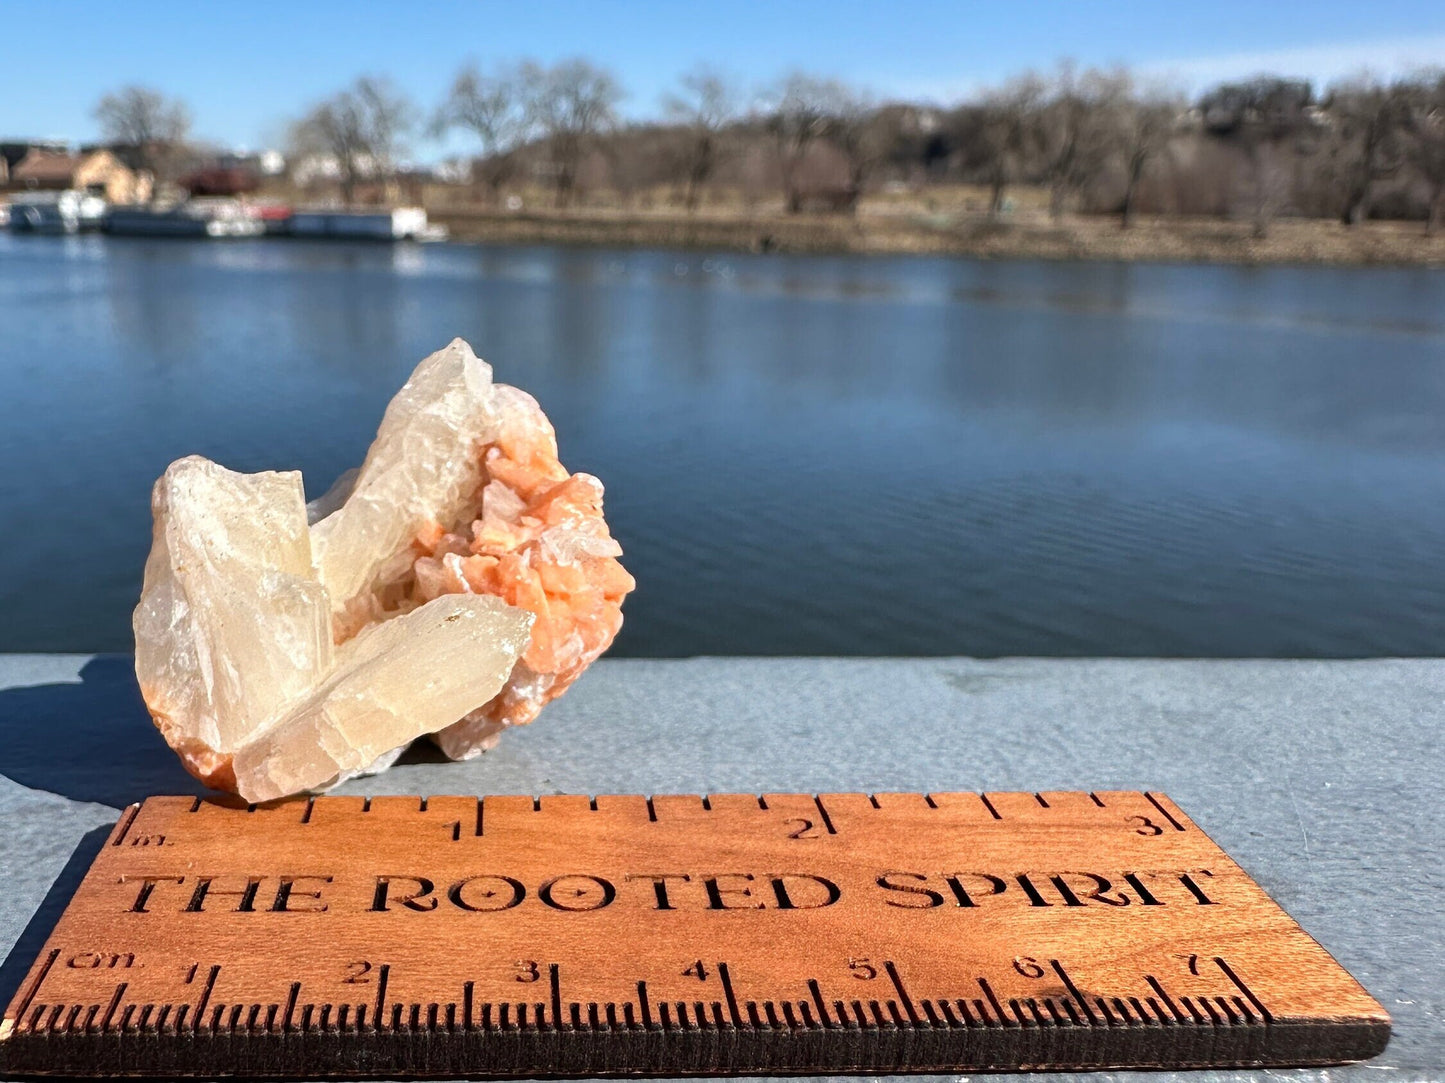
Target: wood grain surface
674, 935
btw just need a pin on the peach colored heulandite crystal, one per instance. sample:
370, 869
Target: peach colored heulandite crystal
540, 544
451, 586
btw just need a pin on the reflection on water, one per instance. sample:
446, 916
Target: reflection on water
803, 455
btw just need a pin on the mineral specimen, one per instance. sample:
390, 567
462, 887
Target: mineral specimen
451, 586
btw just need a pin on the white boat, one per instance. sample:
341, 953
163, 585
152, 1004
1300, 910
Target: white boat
67, 211
397, 224
194, 218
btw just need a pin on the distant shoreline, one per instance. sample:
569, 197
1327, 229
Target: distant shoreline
1158, 240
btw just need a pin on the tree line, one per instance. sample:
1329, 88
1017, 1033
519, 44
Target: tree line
1098, 140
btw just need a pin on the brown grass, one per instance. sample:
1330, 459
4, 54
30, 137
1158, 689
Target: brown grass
943, 221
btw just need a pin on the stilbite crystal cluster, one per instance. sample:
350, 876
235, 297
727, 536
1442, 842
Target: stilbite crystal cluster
451, 586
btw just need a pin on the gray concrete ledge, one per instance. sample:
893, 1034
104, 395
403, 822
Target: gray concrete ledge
1321, 778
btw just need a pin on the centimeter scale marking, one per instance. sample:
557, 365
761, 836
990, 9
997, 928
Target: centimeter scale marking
672, 935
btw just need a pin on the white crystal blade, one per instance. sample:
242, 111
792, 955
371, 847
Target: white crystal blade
394, 682
231, 624
423, 466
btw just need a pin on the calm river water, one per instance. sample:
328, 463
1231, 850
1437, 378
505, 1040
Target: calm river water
802, 455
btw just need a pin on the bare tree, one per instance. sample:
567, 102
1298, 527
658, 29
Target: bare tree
154, 126
571, 105
1263, 117
490, 108
854, 125
705, 105
797, 117
1366, 125
1425, 126
362, 128
1148, 119
996, 136
1075, 133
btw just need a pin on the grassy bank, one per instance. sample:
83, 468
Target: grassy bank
1031, 236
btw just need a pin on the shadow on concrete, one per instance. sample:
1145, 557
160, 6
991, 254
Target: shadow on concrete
22, 955
422, 751
89, 741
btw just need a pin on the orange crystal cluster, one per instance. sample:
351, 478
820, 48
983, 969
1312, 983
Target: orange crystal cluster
539, 543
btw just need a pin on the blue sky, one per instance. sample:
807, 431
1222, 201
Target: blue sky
247, 68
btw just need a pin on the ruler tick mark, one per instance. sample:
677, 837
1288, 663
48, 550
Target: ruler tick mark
206, 994
127, 818
993, 1000
818, 1001
902, 992
1072, 988
823, 812
1105, 1011
643, 1006
1163, 811
727, 983
110, 1009
989, 805
291, 997
1168, 1001
34, 988
384, 973
1239, 984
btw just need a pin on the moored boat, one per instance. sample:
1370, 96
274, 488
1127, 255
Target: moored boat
275, 217
194, 218
395, 224
67, 211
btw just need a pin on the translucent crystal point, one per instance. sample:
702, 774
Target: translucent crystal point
393, 683
424, 465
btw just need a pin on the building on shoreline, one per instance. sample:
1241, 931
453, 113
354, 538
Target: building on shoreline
97, 172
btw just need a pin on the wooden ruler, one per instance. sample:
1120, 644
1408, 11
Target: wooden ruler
568, 936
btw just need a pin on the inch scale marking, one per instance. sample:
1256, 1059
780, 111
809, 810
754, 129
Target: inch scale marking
674, 935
